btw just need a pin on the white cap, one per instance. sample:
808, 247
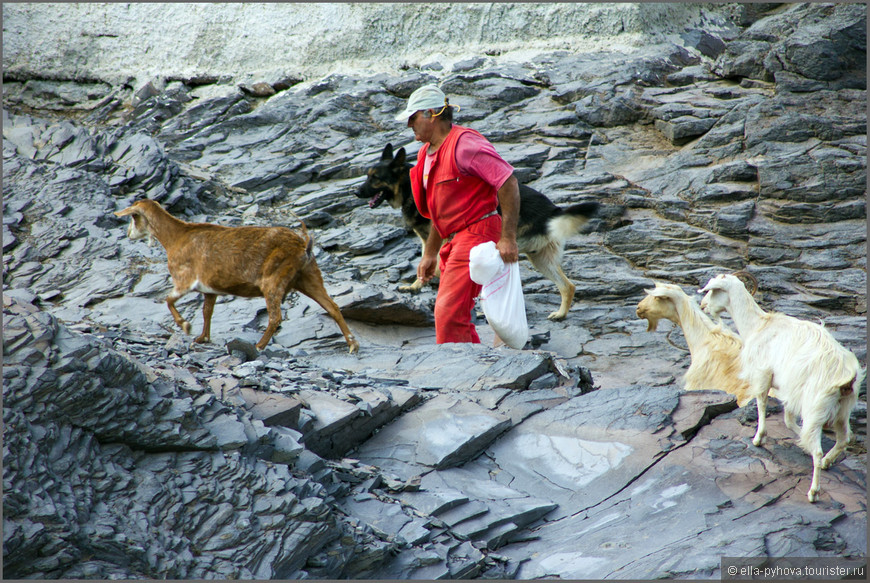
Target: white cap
426, 97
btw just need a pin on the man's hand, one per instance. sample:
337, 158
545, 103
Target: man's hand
427, 265
509, 199
426, 268
508, 250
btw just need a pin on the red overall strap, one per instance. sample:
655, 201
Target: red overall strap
453, 201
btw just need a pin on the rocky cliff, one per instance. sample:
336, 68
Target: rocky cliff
134, 42
716, 138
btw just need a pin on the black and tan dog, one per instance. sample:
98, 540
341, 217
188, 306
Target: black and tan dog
542, 228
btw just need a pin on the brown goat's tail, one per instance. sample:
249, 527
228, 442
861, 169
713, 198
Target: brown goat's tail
309, 240
309, 243
309, 248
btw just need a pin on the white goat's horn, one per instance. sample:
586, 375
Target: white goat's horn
748, 280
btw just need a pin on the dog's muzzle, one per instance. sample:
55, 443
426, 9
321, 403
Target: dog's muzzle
376, 197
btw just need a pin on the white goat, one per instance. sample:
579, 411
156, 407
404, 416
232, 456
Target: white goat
816, 378
265, 262
715, 350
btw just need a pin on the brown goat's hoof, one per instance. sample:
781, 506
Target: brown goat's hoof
354, 347
202, 340
185, 326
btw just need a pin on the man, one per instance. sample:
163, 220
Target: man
458, 183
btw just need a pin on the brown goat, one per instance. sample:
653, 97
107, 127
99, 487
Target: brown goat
250, 262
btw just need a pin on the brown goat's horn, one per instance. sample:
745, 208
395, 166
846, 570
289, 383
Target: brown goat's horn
748, 280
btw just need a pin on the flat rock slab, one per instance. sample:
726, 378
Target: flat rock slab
270, 408
433, 503
442, 367
331, 416
459, 367
588, 448
444, 432
388, 519
369, 304
714, 496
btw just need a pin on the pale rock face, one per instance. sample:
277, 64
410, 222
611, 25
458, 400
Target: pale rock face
249, 42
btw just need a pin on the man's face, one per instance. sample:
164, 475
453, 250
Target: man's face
422, 126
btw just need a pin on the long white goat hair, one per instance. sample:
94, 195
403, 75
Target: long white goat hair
816, 378
714, 350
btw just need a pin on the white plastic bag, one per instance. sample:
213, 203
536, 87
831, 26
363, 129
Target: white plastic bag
502, 294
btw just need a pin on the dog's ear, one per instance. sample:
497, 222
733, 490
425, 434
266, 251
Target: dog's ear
388, 152
399, 160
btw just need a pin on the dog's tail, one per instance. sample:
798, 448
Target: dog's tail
568, 222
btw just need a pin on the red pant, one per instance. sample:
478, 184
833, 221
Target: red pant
456, 291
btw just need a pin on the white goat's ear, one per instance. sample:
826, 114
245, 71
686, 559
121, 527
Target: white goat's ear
714, 283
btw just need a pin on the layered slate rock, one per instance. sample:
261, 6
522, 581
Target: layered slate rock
340, 425
306, 541
86, 427
133, 453
444, 432
470, 367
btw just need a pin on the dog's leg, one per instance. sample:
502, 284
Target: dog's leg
207, 311
418, 283
548, 262
413, 288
